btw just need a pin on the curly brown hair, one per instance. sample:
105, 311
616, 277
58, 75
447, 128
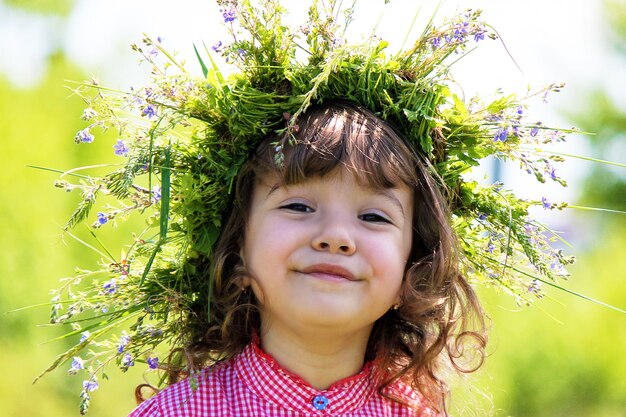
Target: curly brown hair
439, 310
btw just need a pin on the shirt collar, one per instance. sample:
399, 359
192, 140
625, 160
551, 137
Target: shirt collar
268, 380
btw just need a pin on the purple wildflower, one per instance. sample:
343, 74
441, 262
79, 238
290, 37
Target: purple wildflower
120, 148
127, 360
553, 173
534, 131
77, 365
558, 267
520, 110
546, 203
136, 101
148, 92
229, 15
153, 362
156, 194
110, 286
535, 287
149, 111
84, 336
217, 46
124, 340
482, 216
102, 218
501, 135
460, 31
530, 229
155, 332
491, 247
89, 114
436, 42
84, 136
494, 118
479, 36
90, 385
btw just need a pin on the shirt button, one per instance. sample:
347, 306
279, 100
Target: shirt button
320, 402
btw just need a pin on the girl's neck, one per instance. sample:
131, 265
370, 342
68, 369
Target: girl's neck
319, 359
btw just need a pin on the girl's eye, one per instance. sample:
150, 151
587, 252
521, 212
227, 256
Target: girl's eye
374, 218
299, 207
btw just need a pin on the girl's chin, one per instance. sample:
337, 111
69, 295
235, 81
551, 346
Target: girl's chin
333, 315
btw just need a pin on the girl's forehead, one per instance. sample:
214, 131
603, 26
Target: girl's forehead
348, 141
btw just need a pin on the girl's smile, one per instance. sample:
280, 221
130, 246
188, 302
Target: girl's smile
329, 272
327, 253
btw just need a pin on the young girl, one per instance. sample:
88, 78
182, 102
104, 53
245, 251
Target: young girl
306, 259
337, 289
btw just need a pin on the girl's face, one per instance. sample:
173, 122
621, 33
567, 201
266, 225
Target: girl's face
328, 252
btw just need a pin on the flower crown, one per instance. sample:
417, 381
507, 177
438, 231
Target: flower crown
183, 138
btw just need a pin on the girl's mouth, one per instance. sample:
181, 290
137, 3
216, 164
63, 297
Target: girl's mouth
329, 272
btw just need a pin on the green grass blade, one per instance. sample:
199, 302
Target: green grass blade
165, 194
584, 158
412, 25
148, 266
584, 297
110, 255
58, 171
205, 70
104, 255
164, 215
552, 284
216, 71
64, 357
605, 210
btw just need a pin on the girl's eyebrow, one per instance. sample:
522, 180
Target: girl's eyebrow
388, 195
272, 189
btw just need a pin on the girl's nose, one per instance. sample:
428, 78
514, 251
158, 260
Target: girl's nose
334, 238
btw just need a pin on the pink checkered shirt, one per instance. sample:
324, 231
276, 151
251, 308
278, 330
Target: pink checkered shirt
253, 384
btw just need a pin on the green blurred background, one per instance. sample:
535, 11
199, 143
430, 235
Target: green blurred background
564, 356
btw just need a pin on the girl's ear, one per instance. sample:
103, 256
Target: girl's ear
396, 303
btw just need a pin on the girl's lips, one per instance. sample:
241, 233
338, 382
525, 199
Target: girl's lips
329, 272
